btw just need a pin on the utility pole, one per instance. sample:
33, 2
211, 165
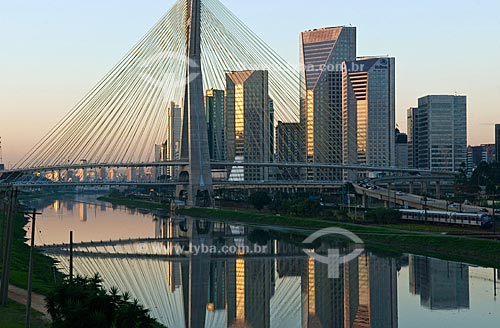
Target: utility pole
4, 288
425, 207
71, 256
493, 215
30, 270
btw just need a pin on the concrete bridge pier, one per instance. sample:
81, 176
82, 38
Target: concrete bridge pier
411, 188
363, 200
425, 187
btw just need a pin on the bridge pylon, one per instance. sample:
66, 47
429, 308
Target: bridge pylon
194, 140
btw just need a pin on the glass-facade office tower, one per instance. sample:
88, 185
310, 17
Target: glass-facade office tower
439, 133
368, 112
214, 109
401, 149
170, 150
411, 118
288, 148
249, 124
322, 53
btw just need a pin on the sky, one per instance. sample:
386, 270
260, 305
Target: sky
52, 52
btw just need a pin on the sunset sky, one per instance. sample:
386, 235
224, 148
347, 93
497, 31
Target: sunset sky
53, 51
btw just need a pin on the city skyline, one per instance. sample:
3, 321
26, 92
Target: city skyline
64, 78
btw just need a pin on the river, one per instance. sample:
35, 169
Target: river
208, 274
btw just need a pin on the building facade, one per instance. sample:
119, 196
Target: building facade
171, 149
249, 124
411, 119
322, 53
214, 109
368, 112
438, 133
478, 154
402, 152
288, 148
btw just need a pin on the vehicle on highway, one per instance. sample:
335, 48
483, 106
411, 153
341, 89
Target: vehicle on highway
470, 219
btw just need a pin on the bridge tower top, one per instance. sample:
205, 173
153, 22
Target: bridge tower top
194, 141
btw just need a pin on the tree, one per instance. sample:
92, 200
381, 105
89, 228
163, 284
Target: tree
259, 199
84, 302
383, 216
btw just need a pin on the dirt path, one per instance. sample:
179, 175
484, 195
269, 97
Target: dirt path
19, 295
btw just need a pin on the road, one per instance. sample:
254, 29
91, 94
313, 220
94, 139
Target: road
415, 201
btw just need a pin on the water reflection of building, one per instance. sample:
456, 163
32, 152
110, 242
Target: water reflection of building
370, 292
442, 285
250, 287
83, 212
322, 297
281, 288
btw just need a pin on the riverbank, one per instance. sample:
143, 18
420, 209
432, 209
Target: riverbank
12, 316
45, 275
134, 203
460, 249
44, 280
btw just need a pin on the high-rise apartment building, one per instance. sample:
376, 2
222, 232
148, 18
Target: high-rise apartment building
368, 112
322, 53
249, 124
438, 133
214, 108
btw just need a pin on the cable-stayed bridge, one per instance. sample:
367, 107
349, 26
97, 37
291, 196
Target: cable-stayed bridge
122, 122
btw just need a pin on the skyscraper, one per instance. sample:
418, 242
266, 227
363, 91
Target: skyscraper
401, 149
368, 112
439, 133
288, 147
412, 133
214, 107
170, 150
322, 53
497, 141
249, 123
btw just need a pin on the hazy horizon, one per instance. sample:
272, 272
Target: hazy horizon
55, 52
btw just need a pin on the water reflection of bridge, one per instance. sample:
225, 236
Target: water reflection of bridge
280, 288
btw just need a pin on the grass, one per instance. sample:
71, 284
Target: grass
13, 316
134, 203
43, 274
469, 250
